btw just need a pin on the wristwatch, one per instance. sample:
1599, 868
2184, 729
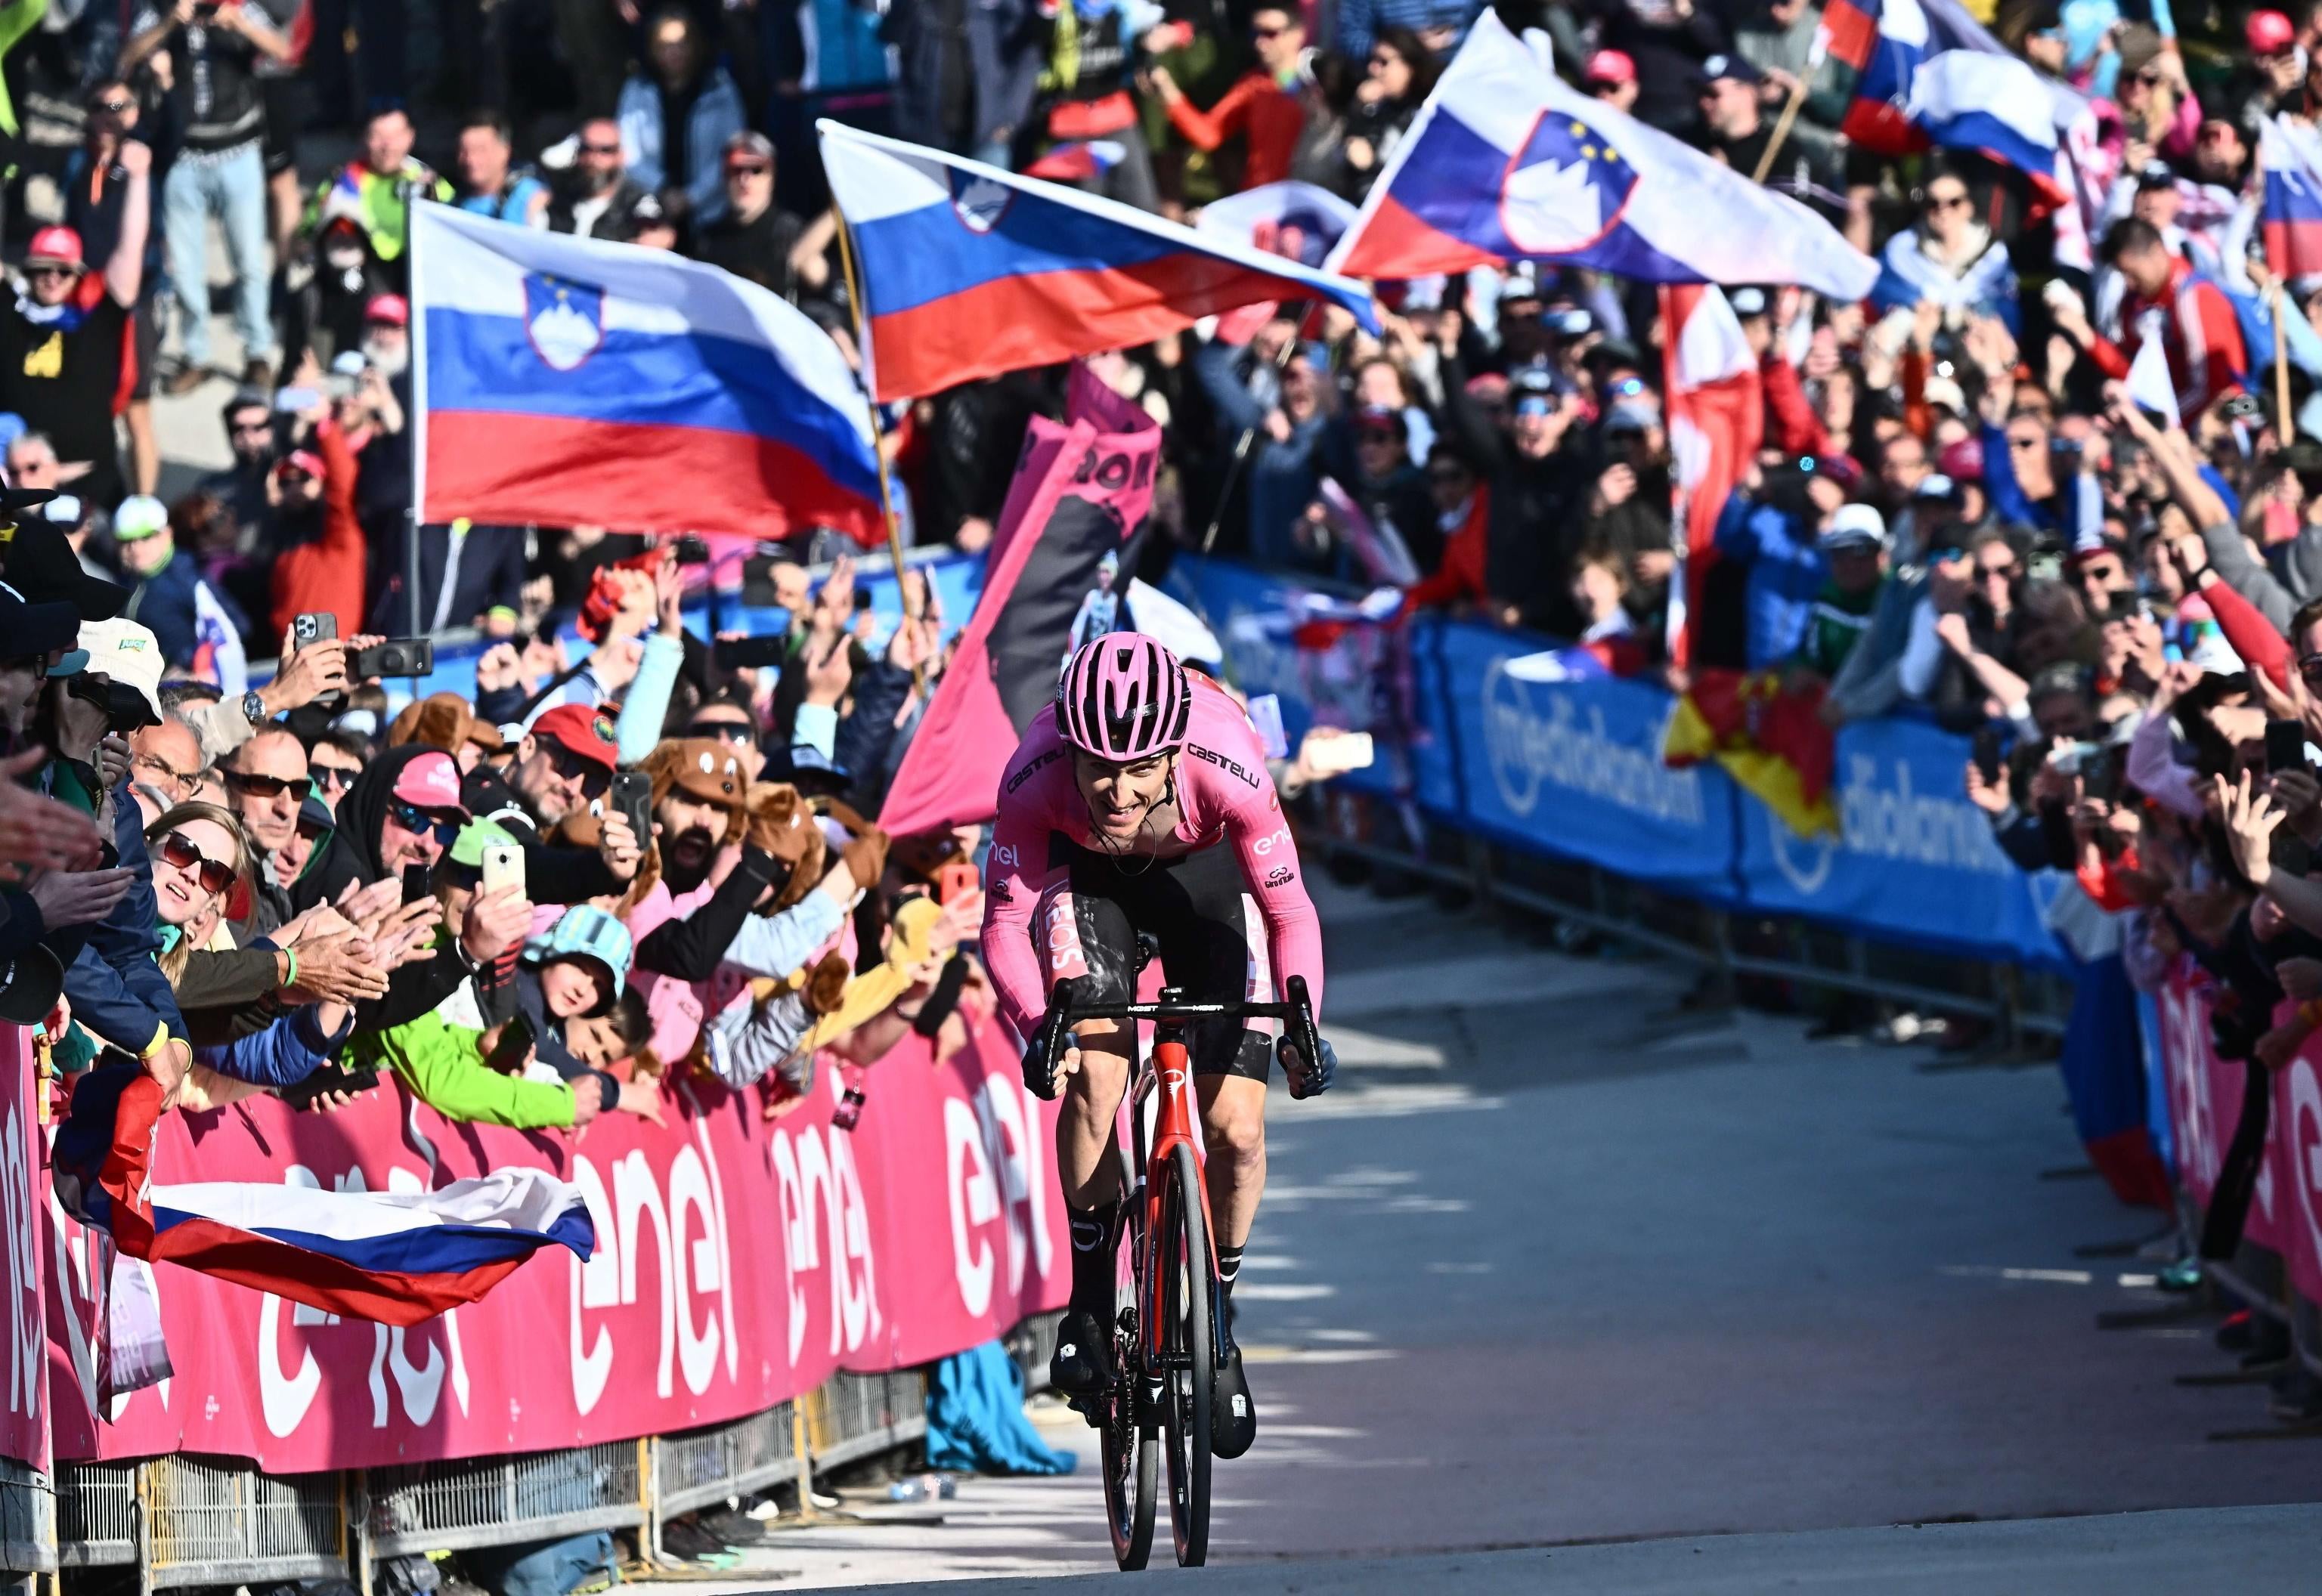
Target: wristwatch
254, 709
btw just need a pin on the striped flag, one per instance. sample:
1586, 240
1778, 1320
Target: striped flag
1716, 417
968, 271
396, 1257
1923, 83
2290, 213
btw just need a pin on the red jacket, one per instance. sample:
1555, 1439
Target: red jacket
1461, 574
326, 576
2199, 333
1269, 117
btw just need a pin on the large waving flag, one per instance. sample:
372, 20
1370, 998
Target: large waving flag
1716, 419
396, 1257
968, 271
1923, 81
1508, 162
2290, 211
568, 381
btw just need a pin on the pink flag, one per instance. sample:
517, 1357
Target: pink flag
1057, 572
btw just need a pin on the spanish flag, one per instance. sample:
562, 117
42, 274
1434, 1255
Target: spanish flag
1770, 740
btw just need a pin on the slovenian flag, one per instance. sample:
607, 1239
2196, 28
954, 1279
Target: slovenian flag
1918, 86
968, 271
2291, 214
1507, 162
396, 1257
573, 381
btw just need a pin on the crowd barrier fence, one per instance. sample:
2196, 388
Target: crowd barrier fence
1500, 773
762, 1303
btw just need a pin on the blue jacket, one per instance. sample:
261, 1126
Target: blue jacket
163, 603
1786, 571
283, 1054
716, 118
117, 991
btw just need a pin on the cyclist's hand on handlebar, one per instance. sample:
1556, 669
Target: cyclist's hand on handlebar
1038, 1080
1304, 1081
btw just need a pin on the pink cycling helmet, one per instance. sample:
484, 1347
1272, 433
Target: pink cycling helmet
1123, 697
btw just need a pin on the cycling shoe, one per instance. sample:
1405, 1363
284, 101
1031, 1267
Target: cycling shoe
1081, 1365
1233, 1417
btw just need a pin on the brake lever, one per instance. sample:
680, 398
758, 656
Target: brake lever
1309, 1040
1060, 1031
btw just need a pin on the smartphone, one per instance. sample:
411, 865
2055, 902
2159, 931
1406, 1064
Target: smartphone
398, 656
956, 881
418, 882
1986, 755
313, 627
693, 550
751, 654
2243, 408
631, 798
302, 1093
1330, 756
861, 599
503, 867
2285, 745
298, 401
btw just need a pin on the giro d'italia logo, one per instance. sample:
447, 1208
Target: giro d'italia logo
1566, 188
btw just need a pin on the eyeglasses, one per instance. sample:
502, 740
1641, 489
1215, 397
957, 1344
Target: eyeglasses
2001, 573
1375, 436
336, 777
1947, 202
178, 852
748, 169
420, 823
38, 271
250, 429
595, 779
601, 149
738, 732
183, 780
2148, 77
1267, 32
115, 106
2022, 445
265, 786
1628, 387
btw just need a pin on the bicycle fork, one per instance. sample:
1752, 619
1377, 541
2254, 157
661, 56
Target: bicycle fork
1170, 1079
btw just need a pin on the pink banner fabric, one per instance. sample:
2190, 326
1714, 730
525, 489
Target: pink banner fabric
2205, 1096
24, 1424
738, 1263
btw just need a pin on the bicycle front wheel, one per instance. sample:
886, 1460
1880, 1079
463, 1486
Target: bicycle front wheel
1129, 1445
1182, 1254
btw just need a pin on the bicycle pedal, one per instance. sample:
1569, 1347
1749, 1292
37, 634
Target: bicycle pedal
1088, 1408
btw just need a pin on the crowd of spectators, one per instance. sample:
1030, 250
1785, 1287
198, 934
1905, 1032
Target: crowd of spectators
1958, 513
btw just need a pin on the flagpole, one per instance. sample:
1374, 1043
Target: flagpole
871, 403
1781, 128
2284, 430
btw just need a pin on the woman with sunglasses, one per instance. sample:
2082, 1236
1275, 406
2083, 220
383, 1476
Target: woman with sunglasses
1948, 258
1399, 77
202, 865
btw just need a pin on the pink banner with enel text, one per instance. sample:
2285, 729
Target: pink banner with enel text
739, 1263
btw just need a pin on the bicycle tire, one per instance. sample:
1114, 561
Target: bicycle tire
1184, 1251
1130, 1444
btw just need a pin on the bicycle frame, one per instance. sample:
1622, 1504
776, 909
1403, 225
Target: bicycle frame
1168, 1073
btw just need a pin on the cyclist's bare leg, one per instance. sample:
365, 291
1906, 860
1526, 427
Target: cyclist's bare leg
1086, 1137
1233, 1139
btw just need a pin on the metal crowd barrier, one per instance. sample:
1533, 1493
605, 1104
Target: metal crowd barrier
2020, 1001
193, 1521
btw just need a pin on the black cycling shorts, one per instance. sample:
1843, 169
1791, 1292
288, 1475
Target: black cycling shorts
1212, 941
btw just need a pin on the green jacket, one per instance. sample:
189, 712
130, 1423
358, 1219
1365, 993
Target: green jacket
15, 22
444, 1064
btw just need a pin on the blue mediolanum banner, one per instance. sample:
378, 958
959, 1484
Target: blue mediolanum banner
1506, 742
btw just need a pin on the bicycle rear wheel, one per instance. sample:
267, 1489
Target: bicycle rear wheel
1183, 1252
1128, 1443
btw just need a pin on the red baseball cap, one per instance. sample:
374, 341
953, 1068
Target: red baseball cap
432, 781
393, 309
1961, 461
2267, 32
1610, 66
586, 732
55, 246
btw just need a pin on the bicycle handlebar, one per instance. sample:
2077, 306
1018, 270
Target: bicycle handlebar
1297, 1016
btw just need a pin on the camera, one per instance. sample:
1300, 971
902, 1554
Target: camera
398, 656
125, 708
693, 550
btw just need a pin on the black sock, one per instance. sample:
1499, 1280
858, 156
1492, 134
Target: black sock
1093, 1259
1228, 1269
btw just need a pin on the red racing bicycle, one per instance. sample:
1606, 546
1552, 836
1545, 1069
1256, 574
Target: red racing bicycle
1167, 1332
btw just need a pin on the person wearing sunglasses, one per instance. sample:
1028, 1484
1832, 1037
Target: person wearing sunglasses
597, 195
1263, 107
756, 238
333, 763
97, 196
266, 782
1947, 256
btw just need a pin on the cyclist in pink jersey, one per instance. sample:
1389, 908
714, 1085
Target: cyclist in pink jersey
1142, 806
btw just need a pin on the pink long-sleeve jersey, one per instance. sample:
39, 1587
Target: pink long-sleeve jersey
1224, 795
